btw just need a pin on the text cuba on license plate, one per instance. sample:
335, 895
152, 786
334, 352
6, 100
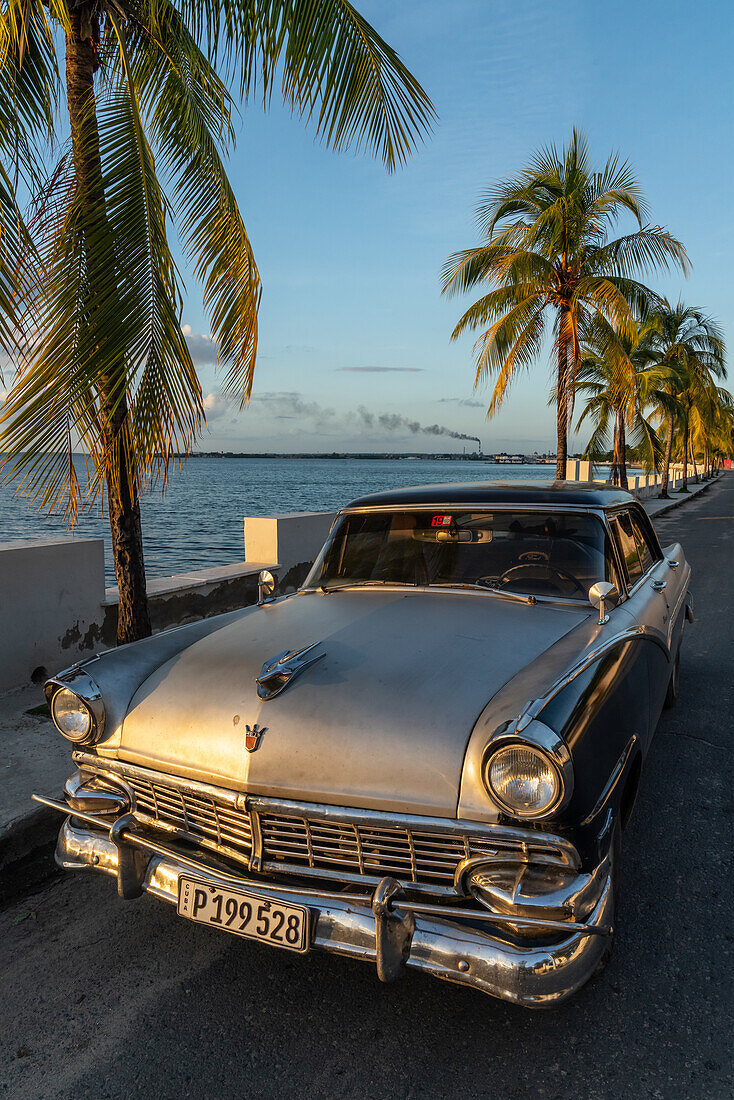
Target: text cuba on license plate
244, 914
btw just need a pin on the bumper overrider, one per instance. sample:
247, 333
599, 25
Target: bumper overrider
533, 960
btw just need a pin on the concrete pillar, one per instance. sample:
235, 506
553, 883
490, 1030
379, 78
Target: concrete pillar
291, 539
585, 471
51, 595
572, 469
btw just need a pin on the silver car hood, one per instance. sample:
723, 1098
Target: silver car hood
381, 721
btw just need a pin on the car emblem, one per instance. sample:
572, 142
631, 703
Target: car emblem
253, 735
278, 671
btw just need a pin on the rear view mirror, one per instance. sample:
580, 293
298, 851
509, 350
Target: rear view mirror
604, 596
265, 586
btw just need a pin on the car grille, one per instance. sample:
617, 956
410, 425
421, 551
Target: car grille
197, 815
337, 849
323, 844
405, 853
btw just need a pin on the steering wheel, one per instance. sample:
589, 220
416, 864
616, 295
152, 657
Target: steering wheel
524, 566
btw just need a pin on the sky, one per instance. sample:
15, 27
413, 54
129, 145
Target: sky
355, 351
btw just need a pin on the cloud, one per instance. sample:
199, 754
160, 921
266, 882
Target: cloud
216, 406
202, 349
466, 402
289, 405
382, 370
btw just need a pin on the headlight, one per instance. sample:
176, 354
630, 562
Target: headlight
72, 716
76, 706
523, 780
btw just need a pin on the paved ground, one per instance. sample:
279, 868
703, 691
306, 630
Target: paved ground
103, 998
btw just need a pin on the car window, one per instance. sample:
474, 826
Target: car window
645, 551
555, 554
627, 543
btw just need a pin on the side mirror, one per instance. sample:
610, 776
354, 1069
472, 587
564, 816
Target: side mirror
265, 586
604, 596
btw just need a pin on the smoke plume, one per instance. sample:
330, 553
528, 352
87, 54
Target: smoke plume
291, 406
391, 422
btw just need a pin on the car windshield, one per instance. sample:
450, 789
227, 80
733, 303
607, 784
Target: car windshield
555, 554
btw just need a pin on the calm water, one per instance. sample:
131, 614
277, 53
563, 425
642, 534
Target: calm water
199, 519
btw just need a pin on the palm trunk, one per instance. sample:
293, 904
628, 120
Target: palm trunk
668, 454
622, 457
684, 486
562, 410
693, 463
133, 620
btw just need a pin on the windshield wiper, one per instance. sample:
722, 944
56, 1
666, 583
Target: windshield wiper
363, 584
476, 587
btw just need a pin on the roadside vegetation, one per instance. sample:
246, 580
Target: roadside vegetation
647, 373
90, 295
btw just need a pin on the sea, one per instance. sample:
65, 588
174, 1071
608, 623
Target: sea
198, 520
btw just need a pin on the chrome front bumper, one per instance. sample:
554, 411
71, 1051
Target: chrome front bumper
381, 927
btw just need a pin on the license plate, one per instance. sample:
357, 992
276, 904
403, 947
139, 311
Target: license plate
248, 915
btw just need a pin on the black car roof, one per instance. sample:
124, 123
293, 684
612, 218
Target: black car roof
552, 493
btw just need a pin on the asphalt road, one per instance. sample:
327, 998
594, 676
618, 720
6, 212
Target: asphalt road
104, 998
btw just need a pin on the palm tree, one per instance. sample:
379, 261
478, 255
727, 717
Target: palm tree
90, 295
546, 248
719, 441
698, 399
710, 419
687, 340
614, 378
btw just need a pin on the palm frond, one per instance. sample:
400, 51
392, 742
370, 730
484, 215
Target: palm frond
100, 342
189, 109
334, 68
649, 249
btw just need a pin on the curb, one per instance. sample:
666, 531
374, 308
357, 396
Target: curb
684, 499
20, 838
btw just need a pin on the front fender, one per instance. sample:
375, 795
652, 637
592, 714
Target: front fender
514, 698
118, 673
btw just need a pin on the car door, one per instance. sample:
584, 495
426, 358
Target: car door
647, 601
665, 610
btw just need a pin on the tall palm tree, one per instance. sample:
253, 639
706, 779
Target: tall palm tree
90, 295
546, 248
614, 379
686, 340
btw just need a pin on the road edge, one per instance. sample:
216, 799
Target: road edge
685, 498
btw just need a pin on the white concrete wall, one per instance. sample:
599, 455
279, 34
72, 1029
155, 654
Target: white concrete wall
51, 593
578, 470
289, 539
644, 486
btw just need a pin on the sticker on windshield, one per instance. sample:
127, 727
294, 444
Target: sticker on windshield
441, 521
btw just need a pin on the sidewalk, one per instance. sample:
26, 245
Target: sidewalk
656, 507
37, 758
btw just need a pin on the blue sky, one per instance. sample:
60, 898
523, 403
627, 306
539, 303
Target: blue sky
350, 256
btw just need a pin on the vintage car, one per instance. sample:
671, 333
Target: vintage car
424, 757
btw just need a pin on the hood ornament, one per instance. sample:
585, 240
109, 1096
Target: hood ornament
253, 735
278, 671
